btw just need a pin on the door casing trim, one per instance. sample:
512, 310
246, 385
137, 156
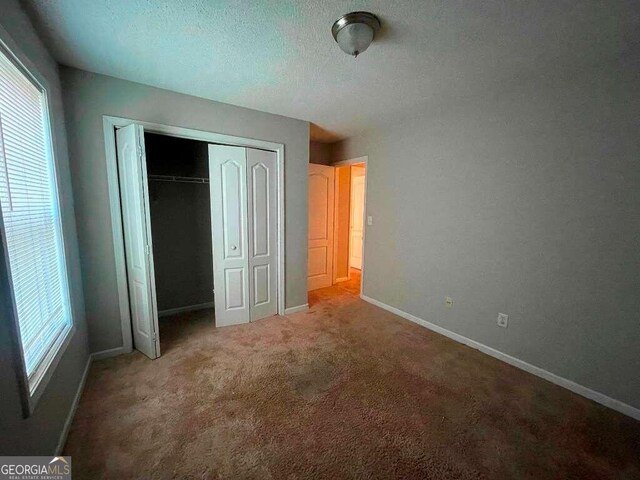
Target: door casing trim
343, 163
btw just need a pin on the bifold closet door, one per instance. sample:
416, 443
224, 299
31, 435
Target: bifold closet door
134, 194
228, 184
243, 223
261, 189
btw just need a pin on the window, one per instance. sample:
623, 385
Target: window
31, 232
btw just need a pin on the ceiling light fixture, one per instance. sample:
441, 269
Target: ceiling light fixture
354, 31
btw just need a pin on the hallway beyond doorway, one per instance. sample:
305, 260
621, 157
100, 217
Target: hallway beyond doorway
348, 287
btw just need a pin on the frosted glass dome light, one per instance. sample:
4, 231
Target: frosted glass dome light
354, 31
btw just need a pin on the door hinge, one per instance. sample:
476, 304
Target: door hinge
147, 249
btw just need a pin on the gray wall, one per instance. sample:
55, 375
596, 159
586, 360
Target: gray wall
527, 202
39, 434
87, 98
180, 222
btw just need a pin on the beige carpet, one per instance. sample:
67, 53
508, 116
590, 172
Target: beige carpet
346, 390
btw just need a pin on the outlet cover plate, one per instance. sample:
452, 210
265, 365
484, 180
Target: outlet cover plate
503, 320
448, 301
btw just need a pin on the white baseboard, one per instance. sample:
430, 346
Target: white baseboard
74, 407
186, 308
112, 352
299, 308
516, 362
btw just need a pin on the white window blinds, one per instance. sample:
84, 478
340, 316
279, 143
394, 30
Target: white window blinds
31, 220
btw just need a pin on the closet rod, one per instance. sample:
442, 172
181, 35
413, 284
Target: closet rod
174, 178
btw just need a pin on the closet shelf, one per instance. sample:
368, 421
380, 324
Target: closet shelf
174, 178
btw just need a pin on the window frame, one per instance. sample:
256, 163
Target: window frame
49, 363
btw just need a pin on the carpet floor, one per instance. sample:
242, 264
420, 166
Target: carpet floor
345, 390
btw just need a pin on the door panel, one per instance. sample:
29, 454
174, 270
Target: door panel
261, 284
132, 171
259, 186
139, 307
317, 261
232, 178
262, 234
227, 178
320, 254
357, 221
235, 294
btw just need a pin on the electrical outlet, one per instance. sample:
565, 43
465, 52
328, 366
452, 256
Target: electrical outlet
503, 320
448, 301
369, 220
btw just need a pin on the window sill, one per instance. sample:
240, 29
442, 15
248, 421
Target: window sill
34, 394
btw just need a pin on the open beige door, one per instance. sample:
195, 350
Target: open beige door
321, 198
134, 194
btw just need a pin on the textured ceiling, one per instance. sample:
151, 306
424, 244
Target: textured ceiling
279, 56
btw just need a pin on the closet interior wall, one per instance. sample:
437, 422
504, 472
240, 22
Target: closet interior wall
180, 221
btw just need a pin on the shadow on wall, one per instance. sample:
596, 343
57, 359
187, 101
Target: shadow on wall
322, 135
320, 153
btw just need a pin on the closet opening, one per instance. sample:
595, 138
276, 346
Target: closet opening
180, 215
198, 230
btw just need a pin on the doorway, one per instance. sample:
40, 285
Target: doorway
337, 224
245, 179
180, 215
